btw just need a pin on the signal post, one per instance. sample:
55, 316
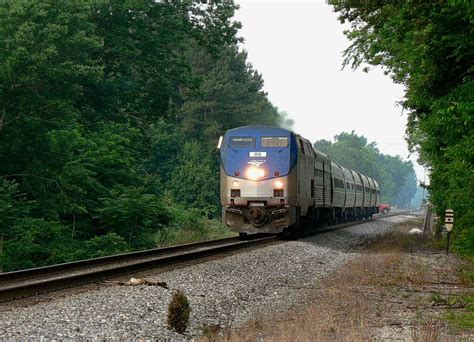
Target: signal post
448, 223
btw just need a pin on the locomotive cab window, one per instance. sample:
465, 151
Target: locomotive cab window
242, 141
274, 141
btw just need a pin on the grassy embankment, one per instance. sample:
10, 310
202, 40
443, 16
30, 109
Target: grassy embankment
210, 230
190, 226
402, 286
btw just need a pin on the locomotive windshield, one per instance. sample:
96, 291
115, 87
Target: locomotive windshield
272, 151
274, 141
242, 141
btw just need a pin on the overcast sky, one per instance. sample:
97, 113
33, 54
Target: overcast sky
297, 46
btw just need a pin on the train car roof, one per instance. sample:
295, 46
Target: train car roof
259, 130
357, 179
336, 169
321, 155
376, 184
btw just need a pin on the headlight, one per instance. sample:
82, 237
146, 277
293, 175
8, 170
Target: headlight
278, 184
235, 184
254, 173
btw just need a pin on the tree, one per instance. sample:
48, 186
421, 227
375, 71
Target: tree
396, 178
428, 47
99, 101
133, 214
194, 181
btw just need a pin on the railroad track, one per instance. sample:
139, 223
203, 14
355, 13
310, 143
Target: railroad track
29, 282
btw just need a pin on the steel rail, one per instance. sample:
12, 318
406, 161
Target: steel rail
85, 271
74, 265
43, 279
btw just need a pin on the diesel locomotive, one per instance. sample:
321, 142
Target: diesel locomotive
273, 181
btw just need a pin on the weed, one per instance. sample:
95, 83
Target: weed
178, 312
463, 319
211, 332
352, 304
184, 232
426, 331
437, 299
467, 272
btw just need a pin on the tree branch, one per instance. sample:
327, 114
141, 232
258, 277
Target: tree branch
34, 176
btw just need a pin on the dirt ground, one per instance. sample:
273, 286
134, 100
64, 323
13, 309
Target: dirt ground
402, 288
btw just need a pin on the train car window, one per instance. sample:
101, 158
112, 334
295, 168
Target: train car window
242, 141
274, 141
338, 183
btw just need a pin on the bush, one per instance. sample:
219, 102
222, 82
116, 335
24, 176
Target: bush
35, 242
100, 246
189, 225
178, 312
133, 214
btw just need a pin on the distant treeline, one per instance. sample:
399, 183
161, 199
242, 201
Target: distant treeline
109, 116
428, 47
396, 178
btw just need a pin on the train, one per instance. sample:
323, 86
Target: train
274, 181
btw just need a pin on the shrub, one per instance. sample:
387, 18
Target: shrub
33, 243
100, 246
178, 312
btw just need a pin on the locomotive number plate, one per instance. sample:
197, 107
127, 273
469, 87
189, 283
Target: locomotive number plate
258, 154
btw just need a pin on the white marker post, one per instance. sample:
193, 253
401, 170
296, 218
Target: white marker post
448, 223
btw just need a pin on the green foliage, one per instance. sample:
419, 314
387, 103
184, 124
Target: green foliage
12, 206
463, 320
107, 107
227, 93
396, 178
190, 225
178, 312
104, 245
194, 180
34, 242
131, 212
428, 47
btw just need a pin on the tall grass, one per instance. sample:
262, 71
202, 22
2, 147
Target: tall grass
191, 226
355, 302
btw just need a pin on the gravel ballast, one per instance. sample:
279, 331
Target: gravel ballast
225, 291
